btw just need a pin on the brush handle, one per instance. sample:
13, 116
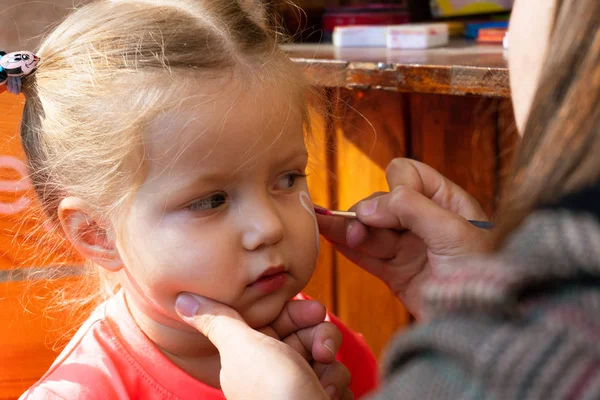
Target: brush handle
482, 224
351, 214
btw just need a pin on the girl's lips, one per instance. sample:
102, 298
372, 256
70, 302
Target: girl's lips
270, 283
271, 280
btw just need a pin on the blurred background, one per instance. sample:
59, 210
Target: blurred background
23, 23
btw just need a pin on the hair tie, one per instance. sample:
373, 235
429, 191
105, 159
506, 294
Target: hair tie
13, 66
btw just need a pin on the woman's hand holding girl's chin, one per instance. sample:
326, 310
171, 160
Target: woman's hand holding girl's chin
292, 358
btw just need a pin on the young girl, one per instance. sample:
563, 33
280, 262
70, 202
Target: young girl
166, 138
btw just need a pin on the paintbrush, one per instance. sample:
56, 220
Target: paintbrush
352, 215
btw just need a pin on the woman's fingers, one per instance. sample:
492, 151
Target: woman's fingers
335, 378
295, 343
372, 265
319, 343
393, 213
347, 395
406, 179
333, 228
324, 341
377, 242
296, 315
401, 235
246, 353
404, 276
221, 324
300, 325
404, 208
336, 229
426, 180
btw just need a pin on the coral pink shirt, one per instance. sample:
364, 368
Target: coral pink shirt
111, 358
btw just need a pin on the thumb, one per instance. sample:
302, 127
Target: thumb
405, 208
221, 324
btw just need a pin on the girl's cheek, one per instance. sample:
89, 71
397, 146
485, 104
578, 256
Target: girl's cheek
307, 205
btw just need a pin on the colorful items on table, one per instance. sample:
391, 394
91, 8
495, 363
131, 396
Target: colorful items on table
472, 29
456, 28
451, 8
13, 66
491, 35
363, 15
409, 36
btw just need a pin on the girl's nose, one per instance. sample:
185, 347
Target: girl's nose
262, 226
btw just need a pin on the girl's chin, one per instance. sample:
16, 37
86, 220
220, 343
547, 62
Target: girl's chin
264, 311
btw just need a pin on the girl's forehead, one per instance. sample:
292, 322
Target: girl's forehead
217, 126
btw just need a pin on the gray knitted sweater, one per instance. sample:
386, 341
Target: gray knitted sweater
523, 324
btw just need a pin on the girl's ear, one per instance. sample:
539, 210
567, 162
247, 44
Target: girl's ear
89, 237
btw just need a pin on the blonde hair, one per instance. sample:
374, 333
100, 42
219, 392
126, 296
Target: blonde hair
108, 70
111, 67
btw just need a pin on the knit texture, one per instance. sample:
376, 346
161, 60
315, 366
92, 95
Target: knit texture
522, 324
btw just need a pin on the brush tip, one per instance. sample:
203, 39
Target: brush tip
321, 211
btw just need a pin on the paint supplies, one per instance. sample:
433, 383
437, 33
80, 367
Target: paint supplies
409, 36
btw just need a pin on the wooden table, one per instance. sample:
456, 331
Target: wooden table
447, 107
462, 68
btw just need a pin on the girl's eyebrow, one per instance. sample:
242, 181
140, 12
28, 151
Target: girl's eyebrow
211, 178
220, 177
291, 156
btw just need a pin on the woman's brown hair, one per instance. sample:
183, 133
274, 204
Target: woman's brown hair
560, 150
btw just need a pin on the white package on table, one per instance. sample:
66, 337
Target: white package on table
421, 36
360, 36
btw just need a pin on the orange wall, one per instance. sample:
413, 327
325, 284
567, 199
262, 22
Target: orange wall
31, 324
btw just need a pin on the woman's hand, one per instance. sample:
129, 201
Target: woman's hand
403, 235
272, 363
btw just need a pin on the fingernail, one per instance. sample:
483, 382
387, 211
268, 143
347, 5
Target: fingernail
186, 305
349, 227
367, 207
331, 391
351, 239
329, 345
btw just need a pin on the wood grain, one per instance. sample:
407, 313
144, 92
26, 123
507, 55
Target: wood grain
458, 137
370, 131
462, 68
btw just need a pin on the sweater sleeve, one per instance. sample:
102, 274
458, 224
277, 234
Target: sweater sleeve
546, 351
431, 375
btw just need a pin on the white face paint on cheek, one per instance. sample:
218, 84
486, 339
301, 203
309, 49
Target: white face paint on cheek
306, 202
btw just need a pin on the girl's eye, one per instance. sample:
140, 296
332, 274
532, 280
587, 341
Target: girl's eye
209, 203
288, 180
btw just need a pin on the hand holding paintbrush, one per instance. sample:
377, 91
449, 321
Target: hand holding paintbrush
424, 223
352, 215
